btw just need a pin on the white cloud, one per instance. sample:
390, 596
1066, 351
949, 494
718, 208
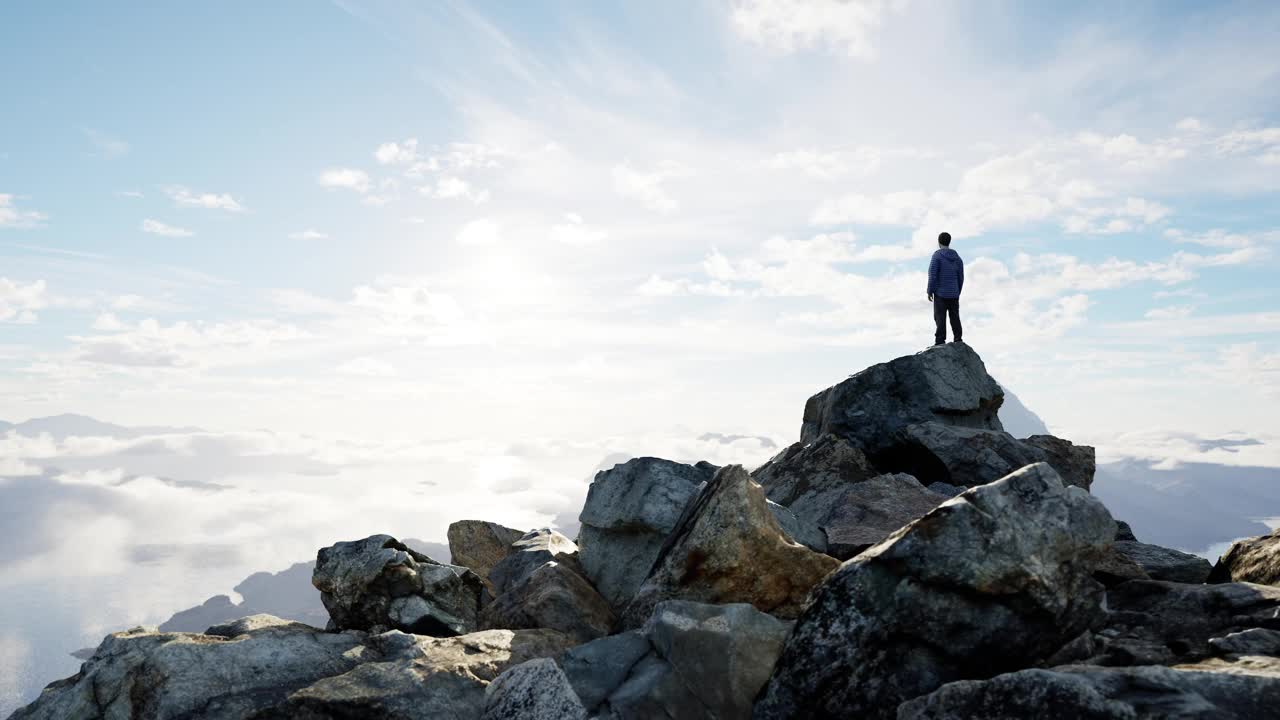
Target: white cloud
184, 197
155, 227
308, 234
484, 231
18, 302
448, 186
12, 217
849, 26
1171, 312
151, 344
133, 194
392, 153
1190, 125
349, 178
573, 231
829, 165
647, 186
1129, 150
107, 322
1262, 143
367, 367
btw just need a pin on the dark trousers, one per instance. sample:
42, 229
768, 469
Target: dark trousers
943, 307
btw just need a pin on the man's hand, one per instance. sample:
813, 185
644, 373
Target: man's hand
930, 297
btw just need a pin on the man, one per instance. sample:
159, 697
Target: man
946, 279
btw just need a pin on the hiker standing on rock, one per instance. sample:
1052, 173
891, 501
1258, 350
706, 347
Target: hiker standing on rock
946, 279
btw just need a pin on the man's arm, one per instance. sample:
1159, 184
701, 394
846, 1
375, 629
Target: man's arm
960, 277
933, 275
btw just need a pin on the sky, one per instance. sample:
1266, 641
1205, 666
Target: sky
374, 266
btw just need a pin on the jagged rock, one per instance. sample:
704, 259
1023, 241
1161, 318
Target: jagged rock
379, 584
803, 476
728, 548
1124, 532
1075, 463
1161, 563
1255, 560
1153, 622
629, 512
946, 384
690, 661
952, 596
597, 668
533, 550
868, 512
800, 530
419, 678
1254, 641
1223, 690
946, 488
552, 596
479, 545
246, 626
935, 452
1114, 568
535, 690
148, 674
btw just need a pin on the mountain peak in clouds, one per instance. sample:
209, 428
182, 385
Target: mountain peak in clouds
68, 425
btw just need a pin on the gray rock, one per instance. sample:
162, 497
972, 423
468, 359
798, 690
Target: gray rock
553, 596
1075, 463
379, 584
728, 548
950, 597
723, 653
150, 674
1237, 690
1114, 568
420, 678
946, 384
1254, 641
946, 488
1154, 622
535, 690
1161, 563
936, 452
533, 550
1124, 532
870, 511
802, 531
629, 512
479, 545
690, 661
803, 476
1255, 560
598, 668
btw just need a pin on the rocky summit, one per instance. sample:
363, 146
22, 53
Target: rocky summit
907, 558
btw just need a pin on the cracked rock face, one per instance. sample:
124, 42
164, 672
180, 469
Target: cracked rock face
629, 512
533, 550
378, 584
553, 596
951, 596
479, 545
947, 384
728, 548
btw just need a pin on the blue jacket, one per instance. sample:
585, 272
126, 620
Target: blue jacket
946, 273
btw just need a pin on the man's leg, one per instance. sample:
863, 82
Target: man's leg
953, 309
940, 320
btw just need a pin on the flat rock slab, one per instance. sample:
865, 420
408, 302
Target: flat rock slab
1162, 563
866, 513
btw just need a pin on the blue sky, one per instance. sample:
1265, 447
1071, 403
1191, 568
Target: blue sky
408, 262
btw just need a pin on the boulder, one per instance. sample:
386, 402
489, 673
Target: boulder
1254, 641
1114, 568
420, 678
379, 584
1124, 532
479, 545
804, 476
629, 511
951, 596
148, 674
728, 548
535, 690
552, 596
690, 660
1153, 622
798, 529
868, 512
947, 384
1255, 560
1161, 563
533, 550
1222, 690
935, 452
1075, 463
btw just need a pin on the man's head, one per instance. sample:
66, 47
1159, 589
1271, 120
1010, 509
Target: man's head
944, 239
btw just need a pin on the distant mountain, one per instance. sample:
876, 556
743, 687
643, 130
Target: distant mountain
1018, 420
68, 425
